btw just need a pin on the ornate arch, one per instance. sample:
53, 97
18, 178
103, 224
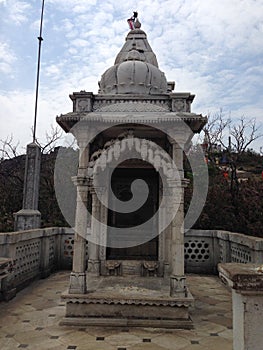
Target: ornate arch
148, 150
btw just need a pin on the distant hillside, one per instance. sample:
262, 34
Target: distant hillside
11, 189
235, 206
235, 195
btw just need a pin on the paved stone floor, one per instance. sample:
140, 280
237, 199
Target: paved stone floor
31, 321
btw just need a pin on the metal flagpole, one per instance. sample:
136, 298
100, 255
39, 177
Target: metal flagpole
40, 39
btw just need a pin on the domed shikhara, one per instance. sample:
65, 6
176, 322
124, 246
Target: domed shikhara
135, 70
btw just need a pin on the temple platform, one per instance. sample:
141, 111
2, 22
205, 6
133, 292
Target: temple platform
31, 321
125, 301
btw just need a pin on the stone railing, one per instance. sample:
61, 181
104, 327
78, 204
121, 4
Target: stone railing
204, 249
36, 253
33, 254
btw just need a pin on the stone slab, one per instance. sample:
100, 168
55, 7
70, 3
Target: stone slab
125, 322
242, 277
135, 301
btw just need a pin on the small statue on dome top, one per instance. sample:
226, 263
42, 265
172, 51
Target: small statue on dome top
131, 21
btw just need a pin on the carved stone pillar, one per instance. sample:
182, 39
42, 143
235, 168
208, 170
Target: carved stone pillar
163, 255
78, 274
93, 246
246, 282
177, 278
104, 221
29, 217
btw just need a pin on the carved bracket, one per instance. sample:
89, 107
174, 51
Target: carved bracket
150, 268
113, 268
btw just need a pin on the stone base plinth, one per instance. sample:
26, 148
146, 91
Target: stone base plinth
246, 281
121, 301
27, 219
94, 267
77, 283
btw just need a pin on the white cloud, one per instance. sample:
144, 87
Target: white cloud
53, 70
18, 11
16, 111
7, 58
213, 49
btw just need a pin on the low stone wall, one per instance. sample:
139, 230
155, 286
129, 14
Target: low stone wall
204, 249
36, 253
33, 253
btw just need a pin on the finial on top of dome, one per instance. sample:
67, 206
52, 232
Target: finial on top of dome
137, 24
133, 22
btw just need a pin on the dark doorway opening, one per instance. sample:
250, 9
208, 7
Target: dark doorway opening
130, 236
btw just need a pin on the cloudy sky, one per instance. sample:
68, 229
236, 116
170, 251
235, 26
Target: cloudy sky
213, 49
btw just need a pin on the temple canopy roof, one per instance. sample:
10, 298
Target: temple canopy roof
135, 69
134, 90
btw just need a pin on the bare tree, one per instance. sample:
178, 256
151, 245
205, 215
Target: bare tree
244, 132
8, 148
215, 130
51, 139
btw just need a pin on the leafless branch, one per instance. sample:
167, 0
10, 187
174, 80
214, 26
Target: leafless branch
8, 148
215, 129
51, 140
244, 133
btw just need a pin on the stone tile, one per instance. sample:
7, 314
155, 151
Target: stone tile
224, 321
8, 319
17, 327
96, 346
169, 341
212, 315
37, 340
196, 347
77, 338
8, 344
59, 330
57, 347
46, 345
209, 327
24, 337
184, 333
147, 346
227, 334
123, 339
148, 332
102, 332
9, 336
217, 343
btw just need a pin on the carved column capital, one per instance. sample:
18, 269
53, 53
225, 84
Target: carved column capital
94, 265
178, 286
179, 137
100, 190
77, 283
80, 180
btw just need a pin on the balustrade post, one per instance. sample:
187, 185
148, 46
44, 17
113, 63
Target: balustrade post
177, 277
78, 275
93, 247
